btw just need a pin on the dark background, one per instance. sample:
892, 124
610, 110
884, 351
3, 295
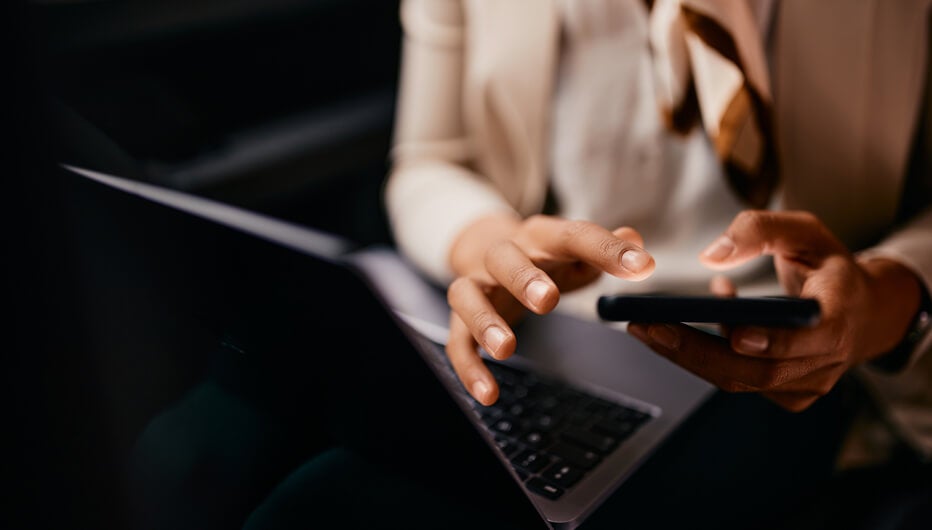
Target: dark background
281, 106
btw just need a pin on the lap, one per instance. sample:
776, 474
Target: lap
739, 462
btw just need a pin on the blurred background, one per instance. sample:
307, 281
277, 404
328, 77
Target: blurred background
278, 105
281, 106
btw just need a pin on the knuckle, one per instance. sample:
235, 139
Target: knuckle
760, 222
523, 275
842, 344
498, 247
769, 377
496, 252
808, 365
746, 216
483, 320
749, 218
733, 387
702, 359
456, 288
609, 248
536, 219
808, 217
754, 223
576, 228
814, 223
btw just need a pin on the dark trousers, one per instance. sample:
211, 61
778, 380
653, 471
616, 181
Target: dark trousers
239, 451
740, 462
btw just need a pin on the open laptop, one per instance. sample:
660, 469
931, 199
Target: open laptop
583, 404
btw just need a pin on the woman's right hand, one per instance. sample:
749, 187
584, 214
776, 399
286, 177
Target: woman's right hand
505, 265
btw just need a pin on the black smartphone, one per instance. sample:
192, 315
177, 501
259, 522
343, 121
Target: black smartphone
767, 311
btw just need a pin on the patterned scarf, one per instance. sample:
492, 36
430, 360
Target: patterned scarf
710, 63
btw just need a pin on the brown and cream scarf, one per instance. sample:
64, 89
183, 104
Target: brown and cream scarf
710, 66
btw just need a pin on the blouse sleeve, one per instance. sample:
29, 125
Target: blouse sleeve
431, 192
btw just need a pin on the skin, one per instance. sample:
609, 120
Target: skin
505, 266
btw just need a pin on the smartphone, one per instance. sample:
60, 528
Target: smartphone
767, 311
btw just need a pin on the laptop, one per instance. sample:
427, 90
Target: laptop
582, 406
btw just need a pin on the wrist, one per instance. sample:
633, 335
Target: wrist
897, 298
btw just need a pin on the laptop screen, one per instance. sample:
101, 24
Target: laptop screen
280, 291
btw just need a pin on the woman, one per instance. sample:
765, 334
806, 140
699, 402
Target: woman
497, 109
553, 151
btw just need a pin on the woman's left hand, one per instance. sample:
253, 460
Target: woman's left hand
866, 306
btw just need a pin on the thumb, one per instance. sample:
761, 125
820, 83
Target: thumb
796, 236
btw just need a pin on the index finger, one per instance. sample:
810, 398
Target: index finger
779, 343
592, 244
712, 358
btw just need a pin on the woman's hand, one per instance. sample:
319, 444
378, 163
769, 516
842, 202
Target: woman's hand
866, 309
505, 265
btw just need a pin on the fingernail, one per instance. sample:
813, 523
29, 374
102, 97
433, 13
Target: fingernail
480, 390
720, 249
753, 342
664, 336
494, 338
536, 292
634, 260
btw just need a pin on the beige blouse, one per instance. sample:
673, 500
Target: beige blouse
848, 78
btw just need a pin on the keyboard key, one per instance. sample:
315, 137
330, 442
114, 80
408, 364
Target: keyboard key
590, 440
600, 406
574, 455
530, 461
535, 439
553, 433
573, 397
548, 403
506, 426
503, 373
490, 415
544, 488
619, 429
579, 417
517, 410
634, 416
563, 474
520, 392
543, 422
507, 446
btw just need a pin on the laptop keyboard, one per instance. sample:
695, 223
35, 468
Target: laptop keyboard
552, 433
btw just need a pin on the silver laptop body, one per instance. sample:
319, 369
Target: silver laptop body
592, 357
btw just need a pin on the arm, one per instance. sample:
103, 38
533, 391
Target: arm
870, 299
432, 193
458, 228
